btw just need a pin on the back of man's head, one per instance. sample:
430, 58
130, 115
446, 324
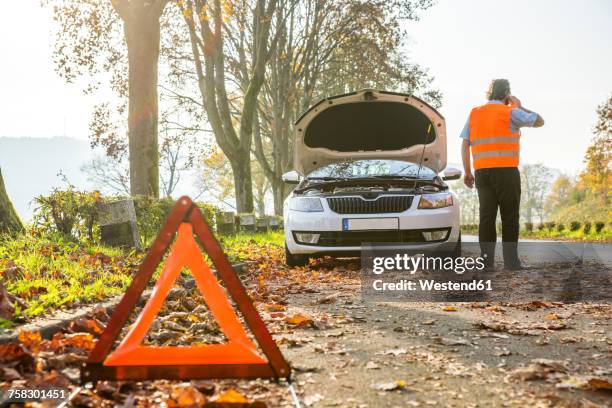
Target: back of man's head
498, 90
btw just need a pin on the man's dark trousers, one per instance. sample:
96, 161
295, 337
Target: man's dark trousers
499, 188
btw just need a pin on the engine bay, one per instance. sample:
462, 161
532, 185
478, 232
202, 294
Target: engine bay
341, 188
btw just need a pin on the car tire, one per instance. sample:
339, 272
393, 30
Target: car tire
295, 260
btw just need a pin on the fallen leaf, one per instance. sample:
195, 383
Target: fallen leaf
573, 383
372, 366
30, 340
183, 397
17, 354
273, 307
533, 305
231, 396
539, 368
447, 341
327, 300
390, 386
83, 341
86, 325
299, 320
428, 322
395, 352
7, 310
551, 316
600, 383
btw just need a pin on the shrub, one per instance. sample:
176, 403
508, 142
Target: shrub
541, 226
560, 227
551, 225
74, 213
587, 227
529, 226
599, 226
574, 226
71, 213
209, 212
151, 214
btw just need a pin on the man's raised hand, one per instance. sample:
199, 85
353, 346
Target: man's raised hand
514, 101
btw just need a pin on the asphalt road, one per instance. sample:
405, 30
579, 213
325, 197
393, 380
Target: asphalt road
373, 354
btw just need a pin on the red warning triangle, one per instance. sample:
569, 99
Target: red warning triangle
238, 358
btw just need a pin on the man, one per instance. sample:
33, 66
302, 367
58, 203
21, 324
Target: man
492, 132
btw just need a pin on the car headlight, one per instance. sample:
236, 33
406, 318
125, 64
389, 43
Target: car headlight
305, 204
437, 200
307, 237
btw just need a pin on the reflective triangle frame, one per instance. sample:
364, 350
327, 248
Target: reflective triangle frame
244, 363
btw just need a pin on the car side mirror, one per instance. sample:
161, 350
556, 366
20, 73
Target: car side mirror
451, 173
291, 177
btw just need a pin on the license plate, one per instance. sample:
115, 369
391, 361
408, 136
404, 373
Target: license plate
351, 224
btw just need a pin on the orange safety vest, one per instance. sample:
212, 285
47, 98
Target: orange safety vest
492, 142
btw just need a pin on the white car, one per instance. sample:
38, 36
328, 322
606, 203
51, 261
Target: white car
367, 170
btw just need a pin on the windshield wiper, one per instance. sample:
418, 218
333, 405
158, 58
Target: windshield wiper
390, 176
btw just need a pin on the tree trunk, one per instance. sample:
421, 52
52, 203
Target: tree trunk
243, 186
277, 194
9, 220
280, 191
142, 33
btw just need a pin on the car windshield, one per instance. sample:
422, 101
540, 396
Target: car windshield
371, 168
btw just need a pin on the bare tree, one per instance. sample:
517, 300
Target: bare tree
178, 151
110, 175
86, 42
324, 48
535, 184
212, 33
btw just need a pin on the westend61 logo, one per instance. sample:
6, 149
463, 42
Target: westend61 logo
557, 272
411, 264
399, 270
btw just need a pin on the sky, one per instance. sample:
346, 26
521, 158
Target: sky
556, 54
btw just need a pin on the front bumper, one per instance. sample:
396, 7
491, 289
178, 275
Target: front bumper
334, 241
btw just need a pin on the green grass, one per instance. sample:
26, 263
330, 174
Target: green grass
244, 246
604, 235
50, 273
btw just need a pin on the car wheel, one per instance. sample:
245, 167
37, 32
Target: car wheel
295, 260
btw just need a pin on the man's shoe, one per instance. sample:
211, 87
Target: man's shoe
489, 268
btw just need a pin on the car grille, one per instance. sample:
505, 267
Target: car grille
358, 205
356, 238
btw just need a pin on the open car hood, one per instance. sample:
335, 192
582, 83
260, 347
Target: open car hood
369, 124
